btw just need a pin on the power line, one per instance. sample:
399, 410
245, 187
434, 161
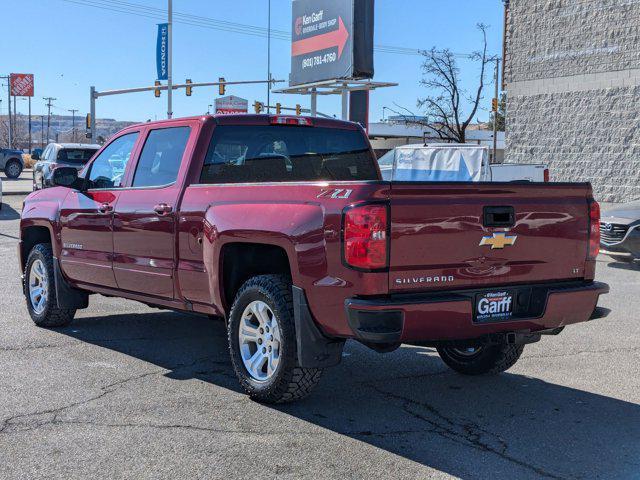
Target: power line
155, 13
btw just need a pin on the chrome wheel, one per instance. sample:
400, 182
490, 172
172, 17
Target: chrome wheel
260, 340
38, 286
465, 353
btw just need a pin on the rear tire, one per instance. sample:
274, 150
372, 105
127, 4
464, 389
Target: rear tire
13, 169
262, 342
40, 290
483, 360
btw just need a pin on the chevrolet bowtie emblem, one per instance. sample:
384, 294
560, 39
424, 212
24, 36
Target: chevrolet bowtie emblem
498, 241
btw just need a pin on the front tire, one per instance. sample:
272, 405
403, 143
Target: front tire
13, 169
489, 359
262, 342
40, 290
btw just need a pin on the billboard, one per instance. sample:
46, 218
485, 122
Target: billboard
230, 105
21, 84
331, 39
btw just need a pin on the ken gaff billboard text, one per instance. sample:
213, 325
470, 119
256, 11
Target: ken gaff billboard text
331, 39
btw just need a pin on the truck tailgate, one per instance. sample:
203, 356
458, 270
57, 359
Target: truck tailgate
446, 236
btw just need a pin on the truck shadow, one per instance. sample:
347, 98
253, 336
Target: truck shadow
407, 403
8, 213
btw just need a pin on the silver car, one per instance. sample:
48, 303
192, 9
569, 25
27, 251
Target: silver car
57, 155
620, 232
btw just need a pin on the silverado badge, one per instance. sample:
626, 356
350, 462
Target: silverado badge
498, 241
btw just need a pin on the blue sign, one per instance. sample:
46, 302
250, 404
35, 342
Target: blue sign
162, 51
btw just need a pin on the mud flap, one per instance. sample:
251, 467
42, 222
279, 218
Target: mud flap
67, 296
314, 349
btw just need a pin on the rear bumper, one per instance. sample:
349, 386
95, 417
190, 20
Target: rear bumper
449, 316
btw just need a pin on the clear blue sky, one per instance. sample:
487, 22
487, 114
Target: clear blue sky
69, 46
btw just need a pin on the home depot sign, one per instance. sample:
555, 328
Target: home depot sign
21, 84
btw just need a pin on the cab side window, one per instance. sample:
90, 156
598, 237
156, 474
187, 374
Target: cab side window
107, 170
161, 157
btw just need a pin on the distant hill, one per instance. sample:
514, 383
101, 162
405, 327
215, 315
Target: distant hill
60, 129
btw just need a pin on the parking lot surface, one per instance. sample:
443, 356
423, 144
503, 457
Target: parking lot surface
131, 392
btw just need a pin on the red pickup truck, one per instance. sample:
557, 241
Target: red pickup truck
284, 227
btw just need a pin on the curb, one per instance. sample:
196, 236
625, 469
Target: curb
6, 194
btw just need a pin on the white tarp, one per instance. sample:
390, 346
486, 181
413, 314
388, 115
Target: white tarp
446, 163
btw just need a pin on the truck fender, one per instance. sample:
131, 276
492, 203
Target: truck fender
314, 349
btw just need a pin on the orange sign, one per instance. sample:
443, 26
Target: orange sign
21, 84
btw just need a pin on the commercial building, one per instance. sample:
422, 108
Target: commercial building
387, 135
572, 77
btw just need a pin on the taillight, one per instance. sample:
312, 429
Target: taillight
594, 229
365, 237
547, 176
294, 121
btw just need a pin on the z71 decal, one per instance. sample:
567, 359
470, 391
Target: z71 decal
335, 193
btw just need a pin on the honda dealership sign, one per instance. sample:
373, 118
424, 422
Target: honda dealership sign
331, 39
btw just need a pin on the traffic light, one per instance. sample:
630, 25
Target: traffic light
258, 106
278, 108
157, 90
494, 105
88, 121
222, 88
189, 89
298, 110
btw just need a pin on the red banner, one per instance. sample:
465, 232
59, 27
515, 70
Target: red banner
21, 84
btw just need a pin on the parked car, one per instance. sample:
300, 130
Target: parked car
11, 162
621, 232
453, 162
74, 155
0, 194
284, 227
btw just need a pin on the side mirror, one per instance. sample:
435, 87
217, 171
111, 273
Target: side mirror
66, 177
35, 156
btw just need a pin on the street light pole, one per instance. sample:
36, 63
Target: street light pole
269, 60
169, 60
495, 114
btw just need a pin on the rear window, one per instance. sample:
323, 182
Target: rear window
250, 154
76, 156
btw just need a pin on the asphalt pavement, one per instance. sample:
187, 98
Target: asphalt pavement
131, 392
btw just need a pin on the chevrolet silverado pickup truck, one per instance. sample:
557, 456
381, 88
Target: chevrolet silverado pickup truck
284, 227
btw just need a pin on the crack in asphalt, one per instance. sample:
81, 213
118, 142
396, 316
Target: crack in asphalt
90, 342
13, 423
582, 352
464, 433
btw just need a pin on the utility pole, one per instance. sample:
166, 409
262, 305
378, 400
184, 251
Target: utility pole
42, 132
49, 105
169, 59
73, 123
495, 114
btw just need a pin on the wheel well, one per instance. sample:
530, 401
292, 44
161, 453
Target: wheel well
31, 236
241, 261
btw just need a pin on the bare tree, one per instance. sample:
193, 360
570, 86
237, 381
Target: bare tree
449, 109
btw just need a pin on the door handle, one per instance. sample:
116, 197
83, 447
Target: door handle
162, 209
105, 208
